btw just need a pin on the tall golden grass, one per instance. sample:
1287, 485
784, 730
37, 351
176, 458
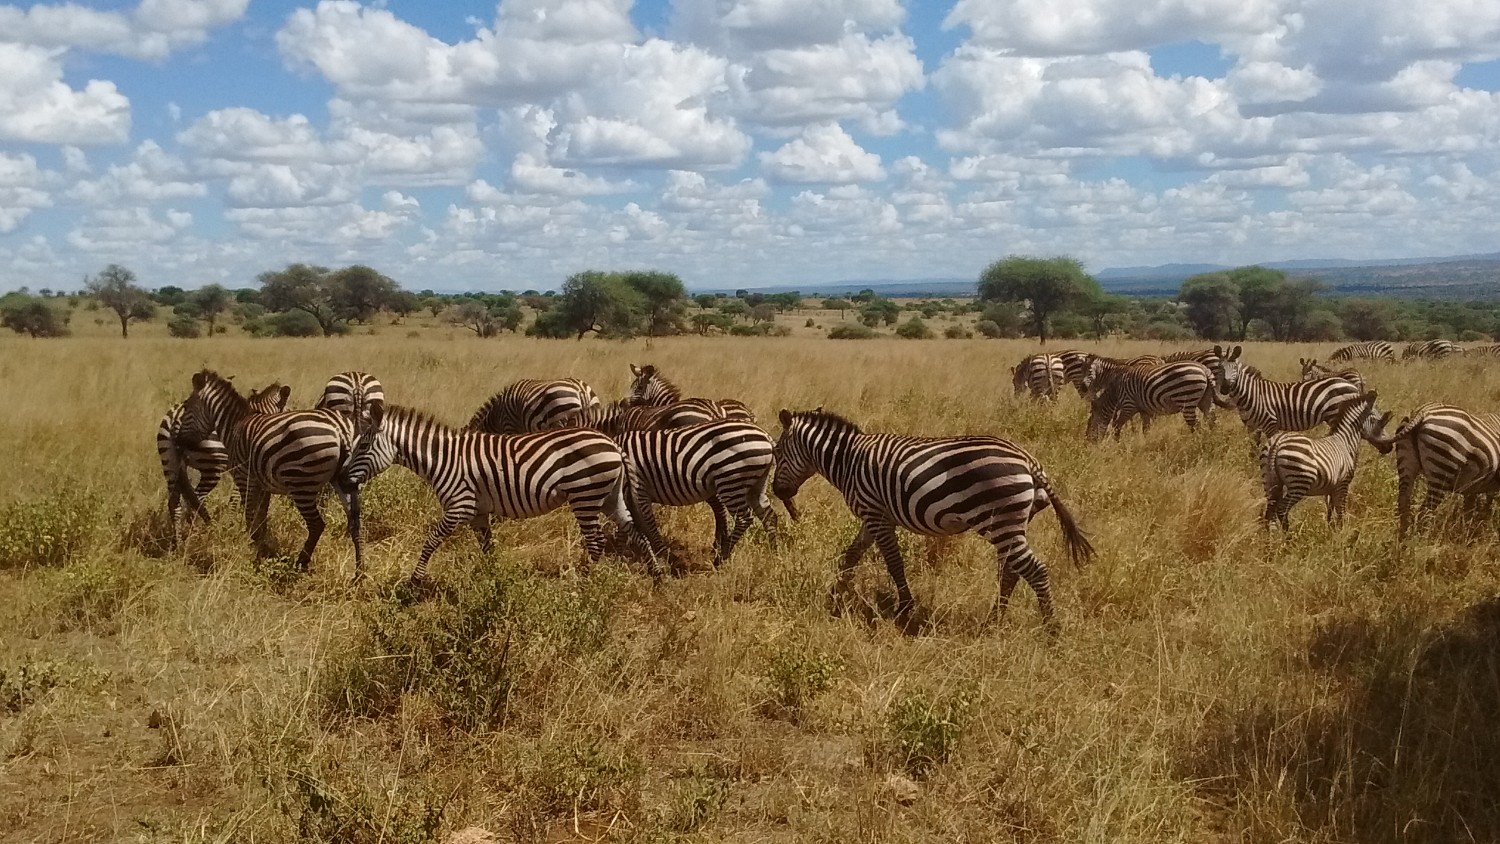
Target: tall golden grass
1214, 681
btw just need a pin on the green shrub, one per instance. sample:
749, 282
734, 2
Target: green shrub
92, 592
184, 326
46, 531
924, 732
989, 329
914, 329
583, 773
797, 674
957, 332
26, 684
850, 331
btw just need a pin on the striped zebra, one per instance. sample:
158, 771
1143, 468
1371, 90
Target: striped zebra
1267, 407
1076, 369
184, 443
1452, 449
529, 405
1312, 371
293, 453
649, 387
1207, 357
935, 487
1294, 466
617, 418
724, 463
1431, 350
1099, 364
1373, 350
355, 393
1490, 351
1185, 387
515, 476
1042, 374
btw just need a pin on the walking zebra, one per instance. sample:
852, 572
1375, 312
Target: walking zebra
1120, 393
616, 418
1452, 449
1294, 466
649, 387
724, 463
184, 443
1312, 371
515, 476
292, 453
1267, 407
1373, 350
936, 487
529, 405
1431, 350
1043, 374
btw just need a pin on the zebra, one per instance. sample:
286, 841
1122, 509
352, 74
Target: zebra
1207, 357
1373, 350
931, 486
1043, 374
1267, 407
529, 405
1312, 371
476, 474
356, 393
1492, 350
1099, 364
1294, 466
724, 463
184, 443
292, 453
1431, 350
649, 387
617, 418
1184, 387
1076, 369
1452, 449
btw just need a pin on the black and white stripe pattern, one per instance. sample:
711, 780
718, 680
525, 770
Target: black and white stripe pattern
1042, 374
184, 443
531, 405
1452, 449
617, 418
1122, 392
1312, 371
936, 487
1431, 350
1208, 357
1268, 407
1373, 350
1098, 365
294, 453
357, 394
515, 476
1490, 351
649, 387
1294, 466
725, 463
1076, 369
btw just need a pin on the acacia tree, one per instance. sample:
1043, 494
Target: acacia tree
486, 319
1046, 285
209, 302
301, 287
665, 300
115, 288
592, 301
358, 292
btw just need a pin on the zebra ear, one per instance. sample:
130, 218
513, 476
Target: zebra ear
786, 417
1219, 350
1234, 353
199, 379
285, 393
635, 370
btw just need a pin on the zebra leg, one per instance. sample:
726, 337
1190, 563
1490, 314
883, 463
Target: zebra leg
257, 511
1405, 483
739, 511
307, 505
721, 530
480, 524
1338, 503
349, 497
862, 542
455, 514
1008, 580
890, 549
631, 510
1289, 497
761, 507
1019, 557
1189, 415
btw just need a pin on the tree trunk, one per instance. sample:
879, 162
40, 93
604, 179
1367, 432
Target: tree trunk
125, 326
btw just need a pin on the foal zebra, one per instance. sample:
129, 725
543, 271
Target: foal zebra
515, 476
530, 405
1043, 374
1373, 350
1294, 466
1267, 407
184, 443
1452, 449
1431, 350
1312, 371
649, 387
725, 463
292, 453
1184, 387
936, 487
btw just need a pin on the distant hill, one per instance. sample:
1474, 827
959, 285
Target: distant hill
917, 288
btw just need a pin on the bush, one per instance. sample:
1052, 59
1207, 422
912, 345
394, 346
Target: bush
923, 732
289, 324
797, 673
46, 531
914, 329
25, 314
958, 332
185, 326
26, 684
1162, 330
852, 332
989, 329
1471, 336
809, 323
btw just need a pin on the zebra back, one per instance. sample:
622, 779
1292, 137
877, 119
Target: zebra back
1312, 371
1267, 406
1041, 373
1207, 357
531, 405
1492, 350
1120, 392
1374, 350
356, 394
1431, 349
617, 418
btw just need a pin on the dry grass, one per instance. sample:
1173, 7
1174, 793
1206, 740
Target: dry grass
1213, 683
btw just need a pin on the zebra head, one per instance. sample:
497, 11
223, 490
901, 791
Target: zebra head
795, 452
1371, 428
1103, 406
1233, 370
1310, 369
270, 400
374, 450
215, 402
649, 387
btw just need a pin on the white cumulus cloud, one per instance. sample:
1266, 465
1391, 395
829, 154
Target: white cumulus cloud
823, 153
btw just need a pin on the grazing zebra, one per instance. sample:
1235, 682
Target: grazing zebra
183, 443
649, 387
1312, 371
724, 463
1043, 374
1431, 350
529, 405
1294, 466
1452, 449
293, 453
1267, 407
617, 418
476, 474
1185, 387
1373, 350
1076, 369
936, 487
1492, 351
1099, 364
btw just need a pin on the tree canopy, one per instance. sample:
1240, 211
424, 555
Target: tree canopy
1045, 285
115, 288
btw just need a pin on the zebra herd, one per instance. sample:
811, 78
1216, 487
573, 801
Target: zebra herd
1448, 448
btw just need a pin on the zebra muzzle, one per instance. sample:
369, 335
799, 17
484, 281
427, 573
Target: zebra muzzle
791, 507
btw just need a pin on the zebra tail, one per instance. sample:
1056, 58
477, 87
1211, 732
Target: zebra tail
1079, 547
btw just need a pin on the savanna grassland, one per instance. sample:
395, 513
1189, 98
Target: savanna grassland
1213, 682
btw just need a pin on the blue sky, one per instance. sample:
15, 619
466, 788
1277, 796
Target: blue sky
462, 145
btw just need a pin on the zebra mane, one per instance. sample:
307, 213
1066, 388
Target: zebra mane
479, 415
830, 419
413, 416
210, 378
